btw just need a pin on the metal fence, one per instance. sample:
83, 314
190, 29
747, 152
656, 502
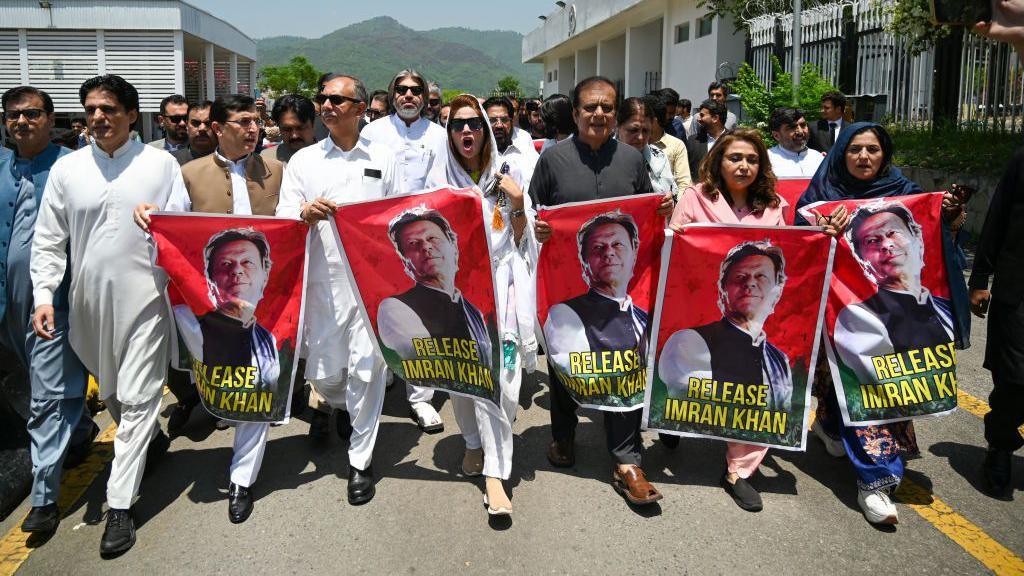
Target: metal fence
850, 44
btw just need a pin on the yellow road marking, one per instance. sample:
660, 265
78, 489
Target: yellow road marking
15, 546
975, 406
965, 533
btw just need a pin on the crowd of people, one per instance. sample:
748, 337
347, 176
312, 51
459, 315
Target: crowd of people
80, 294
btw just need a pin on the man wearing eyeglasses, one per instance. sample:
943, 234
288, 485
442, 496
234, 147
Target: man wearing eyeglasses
59, 425
201, 139
342, 363
294, 115
433, 101
592, 165
173, 120
376, 109
233, 180
499, 113
421, 148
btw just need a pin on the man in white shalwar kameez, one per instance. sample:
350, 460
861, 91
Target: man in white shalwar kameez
421, 149
119, 325
342, 360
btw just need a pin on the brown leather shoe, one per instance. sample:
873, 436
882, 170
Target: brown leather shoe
561, 454
634, 486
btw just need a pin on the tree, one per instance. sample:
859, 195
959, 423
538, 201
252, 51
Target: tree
508, 85
296, 77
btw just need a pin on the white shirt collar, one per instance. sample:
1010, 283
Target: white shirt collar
456, 296
756, 340
624, 303
404, 129
922, 297
235, 166
96, 150
794, 156
328, 146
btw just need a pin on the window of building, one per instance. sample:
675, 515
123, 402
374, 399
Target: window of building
682, 32
704, 25
555, 73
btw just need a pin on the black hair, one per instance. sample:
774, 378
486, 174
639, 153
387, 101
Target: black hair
298, 104
632, 106
785, 116
717, 85
172, 99
669, 95
838, 99
556, 111
686, 104
379, 95
716, 108
219, 239
201, 105
126, 94
656, 103
224, 105
357, 85
19, 92
587, 82
499, 101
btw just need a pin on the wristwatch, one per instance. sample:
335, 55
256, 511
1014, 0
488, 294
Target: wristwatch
517, 213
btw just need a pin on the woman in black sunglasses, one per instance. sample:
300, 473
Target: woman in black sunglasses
473, 162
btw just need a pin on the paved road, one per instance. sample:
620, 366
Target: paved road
428, 519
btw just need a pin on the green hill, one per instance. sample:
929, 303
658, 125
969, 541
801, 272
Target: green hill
374, 50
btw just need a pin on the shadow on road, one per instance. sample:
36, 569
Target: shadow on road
967, 461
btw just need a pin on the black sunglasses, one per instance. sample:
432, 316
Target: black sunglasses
458, 124
336, 99
177, 118
416, 90
532, 106
435, 101
29, 113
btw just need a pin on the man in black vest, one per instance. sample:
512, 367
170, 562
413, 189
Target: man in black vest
434, 307
736, 348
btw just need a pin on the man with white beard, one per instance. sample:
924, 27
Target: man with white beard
421, 148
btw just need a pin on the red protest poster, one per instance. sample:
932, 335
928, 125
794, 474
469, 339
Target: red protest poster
791, 189
596, 286
421, 267
736, 333
889, 321
239, 289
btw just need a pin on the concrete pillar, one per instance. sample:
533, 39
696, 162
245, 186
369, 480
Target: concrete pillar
211, 81
23, 55
643, 57
233, 74
252, 78
611, 60
566, 75
101, 52
179, 62
586, 64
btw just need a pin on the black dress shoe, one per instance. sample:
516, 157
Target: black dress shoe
743, 493
360, 485
318, 426
671, 441
179, 416
41, 519
77, 453
998, 473
239, 503
119, 535
157, 449
561, 453
343, 426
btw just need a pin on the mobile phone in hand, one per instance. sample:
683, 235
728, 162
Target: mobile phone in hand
961, 12
962, 193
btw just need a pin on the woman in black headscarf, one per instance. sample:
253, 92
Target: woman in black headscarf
860, 167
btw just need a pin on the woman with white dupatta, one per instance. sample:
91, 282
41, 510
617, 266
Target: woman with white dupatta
473, 162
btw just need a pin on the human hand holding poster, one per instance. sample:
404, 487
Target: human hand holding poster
421, 266
597, 279
240, 289
737, 329
889, 320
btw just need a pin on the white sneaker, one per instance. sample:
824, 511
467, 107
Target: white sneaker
426, 417
877, 506
834, 447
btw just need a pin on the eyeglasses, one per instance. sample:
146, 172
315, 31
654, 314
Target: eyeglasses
416, 90
198, 123
605, 108
435, 101
495, 120
459, 124
30, 114
336, 99
247, 123
177, 118
371, 113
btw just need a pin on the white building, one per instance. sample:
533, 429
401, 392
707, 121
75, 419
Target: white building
161, 46
642, 45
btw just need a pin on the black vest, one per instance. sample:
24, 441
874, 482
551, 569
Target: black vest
446, 319
734, 358
607, 326
911, 325
226, 342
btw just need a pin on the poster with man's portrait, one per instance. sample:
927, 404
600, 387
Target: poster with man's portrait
791, 189
421, 269
596, 284
890, 318
237, 304
736, 328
